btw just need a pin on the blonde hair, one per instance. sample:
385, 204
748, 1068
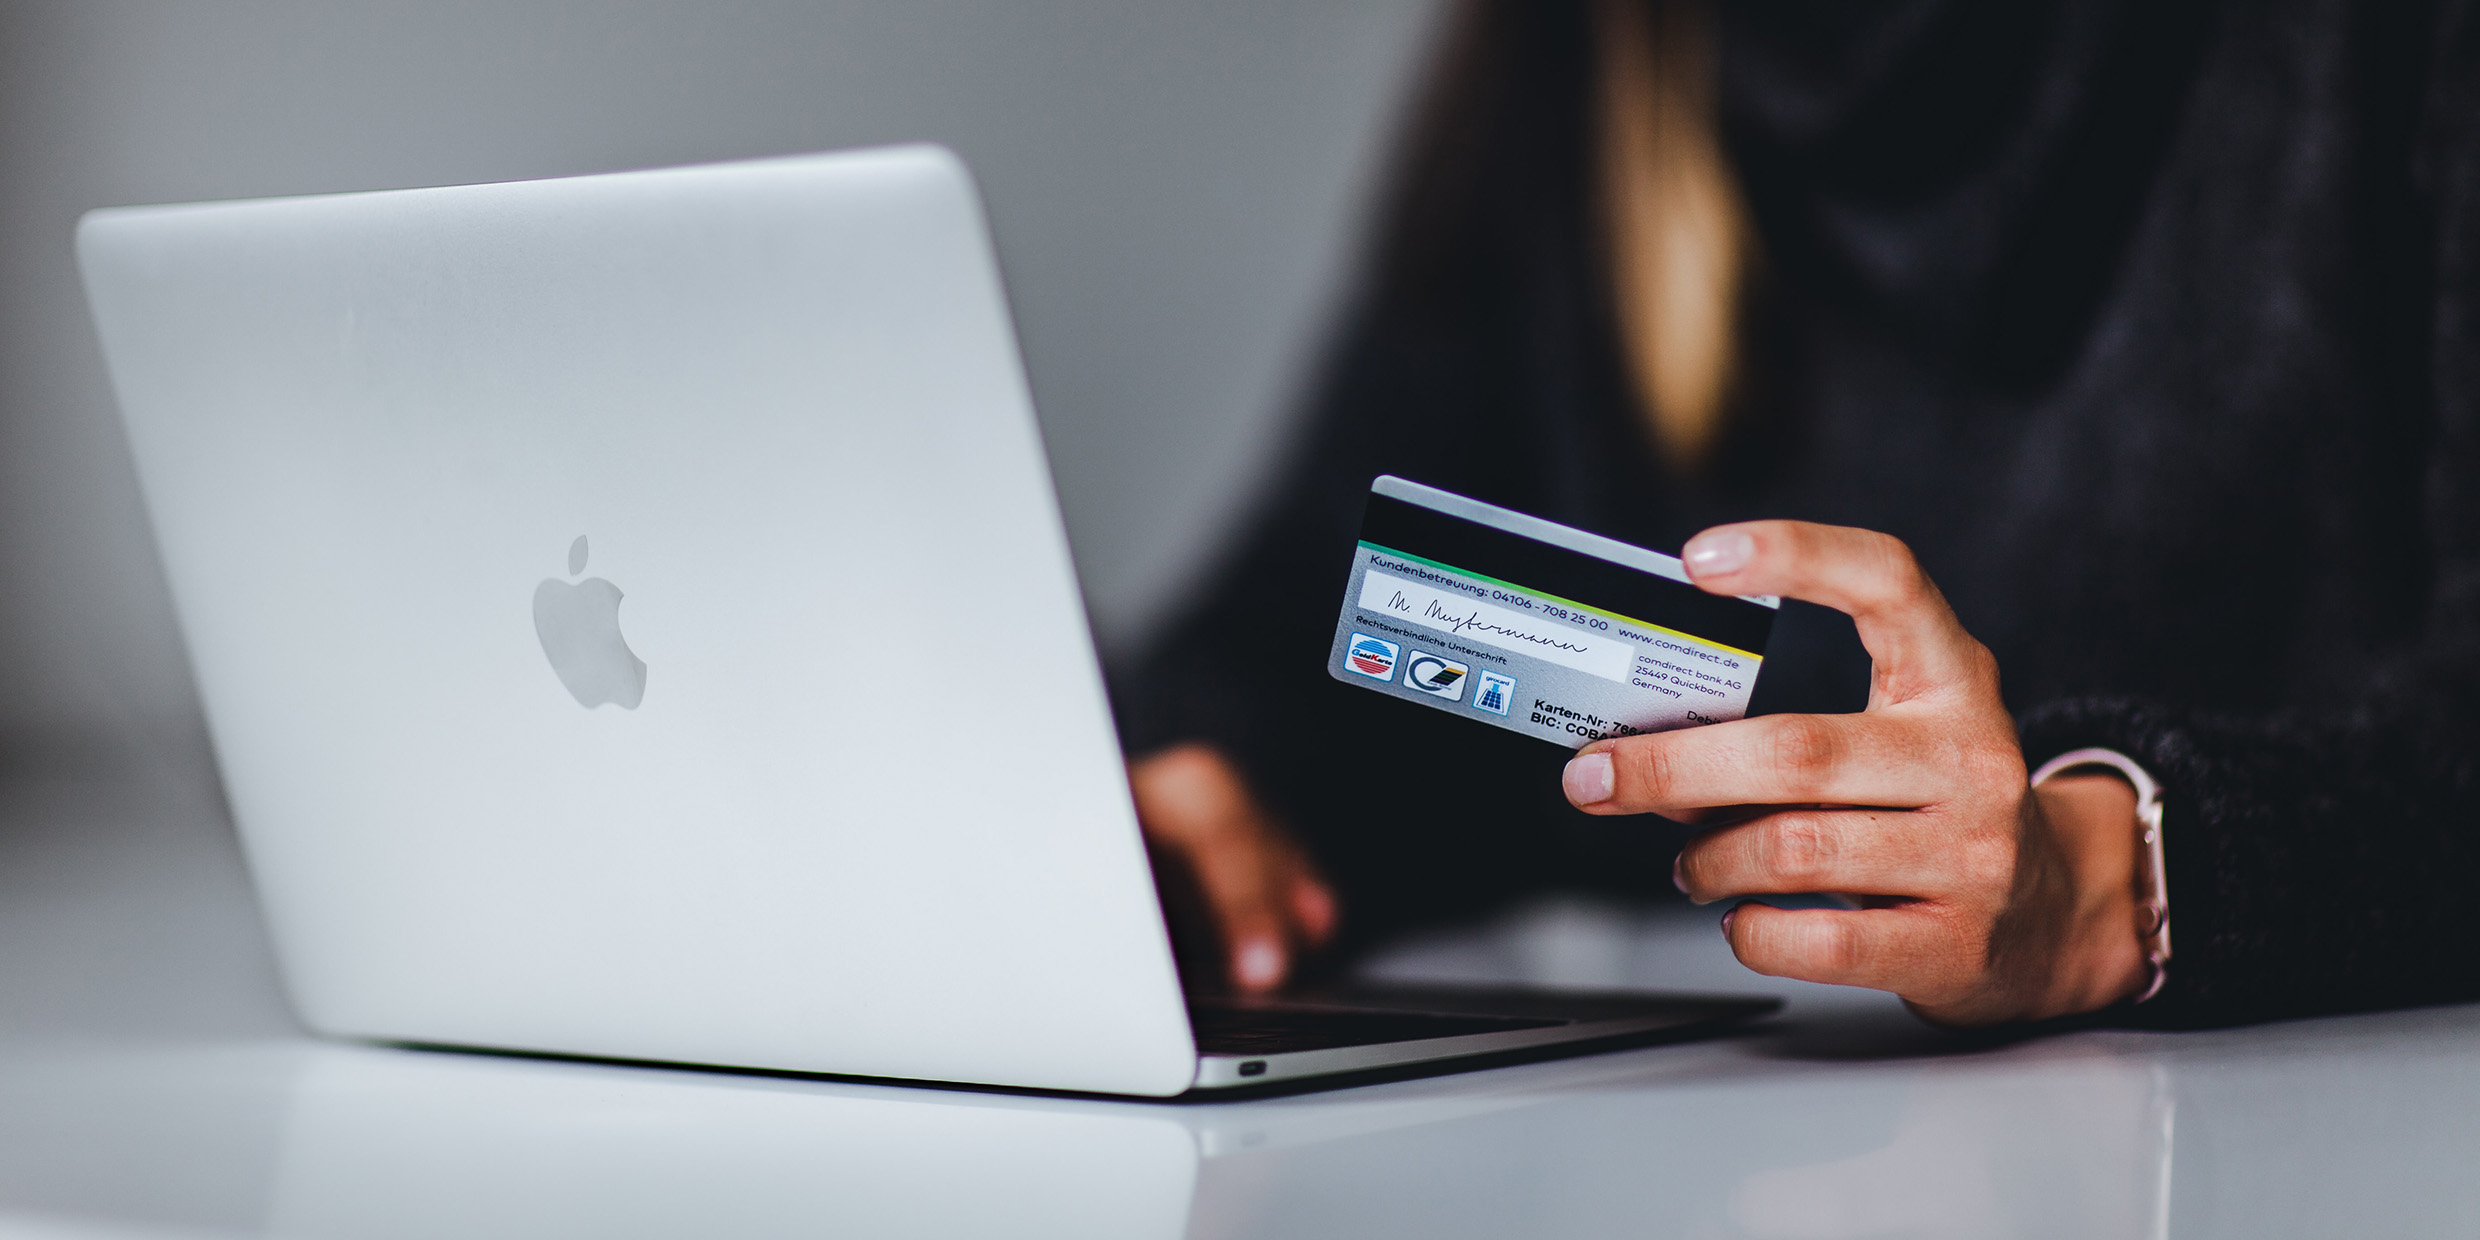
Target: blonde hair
1672, 217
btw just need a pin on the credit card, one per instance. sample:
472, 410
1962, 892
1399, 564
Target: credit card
1536, 627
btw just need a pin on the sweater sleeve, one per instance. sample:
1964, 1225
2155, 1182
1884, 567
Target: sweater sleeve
2324, 859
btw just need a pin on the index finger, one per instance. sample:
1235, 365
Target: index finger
1909, 630
1880, 759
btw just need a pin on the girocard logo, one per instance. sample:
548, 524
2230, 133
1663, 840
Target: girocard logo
1435, 675
1371, 657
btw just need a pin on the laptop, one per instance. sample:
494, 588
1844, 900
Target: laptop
634, 621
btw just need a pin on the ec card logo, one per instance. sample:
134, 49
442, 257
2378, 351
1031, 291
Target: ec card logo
1435, 675
1371, 657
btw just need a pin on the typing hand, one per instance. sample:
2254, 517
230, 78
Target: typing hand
1980, 901
1264, 898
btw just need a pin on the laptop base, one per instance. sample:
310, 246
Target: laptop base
1244, 1044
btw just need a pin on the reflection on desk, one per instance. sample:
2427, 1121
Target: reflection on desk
148, 1088
2368, 1126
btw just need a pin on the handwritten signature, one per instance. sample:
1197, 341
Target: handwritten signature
1473, 623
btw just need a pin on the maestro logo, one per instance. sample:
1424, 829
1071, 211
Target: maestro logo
1435, 675
579, 624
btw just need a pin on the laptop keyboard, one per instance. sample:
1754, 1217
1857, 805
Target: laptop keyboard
1232, 1030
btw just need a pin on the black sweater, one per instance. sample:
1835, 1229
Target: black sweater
2149, 324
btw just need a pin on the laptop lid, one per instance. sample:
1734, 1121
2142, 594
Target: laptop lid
634, 620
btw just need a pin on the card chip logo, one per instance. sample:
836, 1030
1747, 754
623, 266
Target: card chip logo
1371, 657
1435, 675
1494, 693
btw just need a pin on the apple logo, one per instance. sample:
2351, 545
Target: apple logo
579, 625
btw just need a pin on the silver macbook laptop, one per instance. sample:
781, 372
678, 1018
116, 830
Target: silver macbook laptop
634, 621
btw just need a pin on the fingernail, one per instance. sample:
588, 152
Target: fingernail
1726, 920
1715, 552
1258, 965
1590, 779
1677, 879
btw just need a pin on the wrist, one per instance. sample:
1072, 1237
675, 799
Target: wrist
2093, 823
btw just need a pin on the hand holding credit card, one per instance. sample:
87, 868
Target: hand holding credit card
1537, 627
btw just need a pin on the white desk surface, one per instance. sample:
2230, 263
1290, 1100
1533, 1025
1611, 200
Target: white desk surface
151, 1086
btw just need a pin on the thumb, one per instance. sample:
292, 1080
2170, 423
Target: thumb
1910, 632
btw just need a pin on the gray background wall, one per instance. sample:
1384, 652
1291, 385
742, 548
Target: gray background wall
1174, 185
1176, 188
